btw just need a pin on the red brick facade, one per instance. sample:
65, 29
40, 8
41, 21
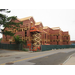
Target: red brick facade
47, 35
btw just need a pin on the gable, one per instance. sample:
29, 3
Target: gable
26, 18
39, 25
32, 20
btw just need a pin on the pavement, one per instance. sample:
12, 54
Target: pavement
10, 52
24, 58
54, 59
70, 60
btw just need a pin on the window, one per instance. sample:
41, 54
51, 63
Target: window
53, 40
57, 43
25, 33
31, 24
48, 37
15, 30
63, 40
26, 24
41, 42
67, 42
23, 29
57, 37
67, 37
20, 30
45, 36
37, 43
27, 39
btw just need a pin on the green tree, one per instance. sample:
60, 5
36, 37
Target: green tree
17, 39
8, 33
8, 22
25, 42
0, 39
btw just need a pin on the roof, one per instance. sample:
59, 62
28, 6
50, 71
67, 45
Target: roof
45, 27
26, 18
37, 23
44, 31
56, 28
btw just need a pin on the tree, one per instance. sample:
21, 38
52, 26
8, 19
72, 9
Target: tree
25, 42
8, 22
8, 33
17, 39
0, 39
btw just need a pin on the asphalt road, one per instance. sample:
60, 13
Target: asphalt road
55, 59
52, 57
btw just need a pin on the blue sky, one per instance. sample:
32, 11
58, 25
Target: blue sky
63, 18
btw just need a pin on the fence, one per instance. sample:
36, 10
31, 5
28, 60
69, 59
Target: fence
11, 46
43, 47
50, 47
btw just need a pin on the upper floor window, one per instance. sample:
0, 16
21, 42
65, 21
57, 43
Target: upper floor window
20, 30
45, 36
26, 25
67, 37
15, 31
57, 37
25, 33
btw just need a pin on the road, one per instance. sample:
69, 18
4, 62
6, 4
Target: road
51, 57
54, 59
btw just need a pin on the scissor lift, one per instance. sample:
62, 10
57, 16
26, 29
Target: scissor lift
35, 38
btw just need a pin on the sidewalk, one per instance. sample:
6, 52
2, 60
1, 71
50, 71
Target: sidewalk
70, 60
11, 52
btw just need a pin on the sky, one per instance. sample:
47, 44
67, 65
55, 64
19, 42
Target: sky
63, 18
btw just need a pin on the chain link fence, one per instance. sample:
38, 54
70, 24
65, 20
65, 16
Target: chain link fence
11, 46
50, 47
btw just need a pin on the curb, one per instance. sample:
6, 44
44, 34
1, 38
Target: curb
67, 59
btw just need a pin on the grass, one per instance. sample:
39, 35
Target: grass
24, 49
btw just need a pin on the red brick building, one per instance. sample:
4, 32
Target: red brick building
37, 34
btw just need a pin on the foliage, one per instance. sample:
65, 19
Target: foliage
5, 10
8, 22
25, 49
0, 39
25, 42
17, 39
8, 33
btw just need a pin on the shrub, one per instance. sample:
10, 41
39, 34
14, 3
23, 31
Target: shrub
25, 49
